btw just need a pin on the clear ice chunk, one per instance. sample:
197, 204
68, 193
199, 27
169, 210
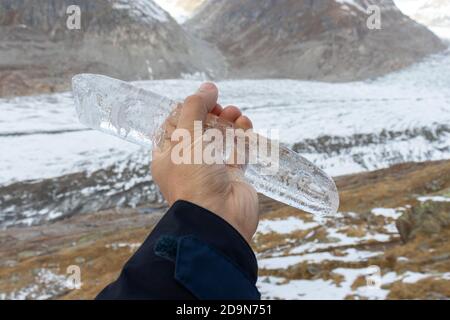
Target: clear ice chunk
137, 115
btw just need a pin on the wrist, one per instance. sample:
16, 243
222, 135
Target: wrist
219, 209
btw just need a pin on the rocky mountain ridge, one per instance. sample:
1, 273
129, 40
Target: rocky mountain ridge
315, 40
126, 39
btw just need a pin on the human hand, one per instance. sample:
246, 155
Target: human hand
220, 188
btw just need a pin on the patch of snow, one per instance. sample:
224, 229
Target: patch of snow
122, 245
279, 288
434, 199
350, 255
388, 213
352, 3
175, 10
340, 240
144, 10
40, 136
47, 285
284, 226
196, 76
413, 277
319, 289
180, 10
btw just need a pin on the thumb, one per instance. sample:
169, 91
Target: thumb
197, 106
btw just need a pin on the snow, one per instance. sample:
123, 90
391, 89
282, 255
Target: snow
386, 212
120, 245
278, 288
180, 10
352, 3
339, 256
40, 136
284, 226
319, 289
434, 199
413, 277
43, 155
175, 10
350, 255
47, 284
340, 239
144, 10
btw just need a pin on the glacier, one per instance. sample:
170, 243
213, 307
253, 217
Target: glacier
342, 127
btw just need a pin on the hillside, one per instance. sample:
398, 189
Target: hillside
298, 258
133, 40
320, 40
127, 39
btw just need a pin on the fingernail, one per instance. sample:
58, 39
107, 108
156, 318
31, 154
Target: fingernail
206, 86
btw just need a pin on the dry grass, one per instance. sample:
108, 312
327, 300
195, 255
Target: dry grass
56, 246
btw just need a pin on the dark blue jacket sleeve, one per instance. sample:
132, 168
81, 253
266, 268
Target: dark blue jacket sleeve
191, 254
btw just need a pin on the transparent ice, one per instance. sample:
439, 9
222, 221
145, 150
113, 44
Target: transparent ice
137, 115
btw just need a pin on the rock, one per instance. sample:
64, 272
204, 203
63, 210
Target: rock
314, 269
181, 10
427, 218
321, 39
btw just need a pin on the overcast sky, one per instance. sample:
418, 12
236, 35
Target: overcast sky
409, 6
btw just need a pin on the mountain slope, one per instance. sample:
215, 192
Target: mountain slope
298, 258
323, 39
122, 38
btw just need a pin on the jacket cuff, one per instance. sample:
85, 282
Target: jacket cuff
185, 219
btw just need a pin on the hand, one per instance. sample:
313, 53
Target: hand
219, 188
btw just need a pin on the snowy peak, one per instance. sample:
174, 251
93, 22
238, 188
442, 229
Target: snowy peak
144, 10
363, 5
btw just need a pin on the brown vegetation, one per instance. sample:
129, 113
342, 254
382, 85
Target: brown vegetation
89, 240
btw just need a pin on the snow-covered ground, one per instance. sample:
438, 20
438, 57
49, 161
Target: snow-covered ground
341, 254
435, 14
344, 128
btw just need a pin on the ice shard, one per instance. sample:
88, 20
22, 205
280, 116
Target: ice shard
136, 115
